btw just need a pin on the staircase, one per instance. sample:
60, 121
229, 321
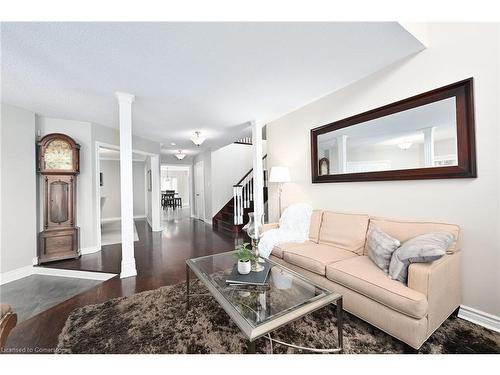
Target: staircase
234, 215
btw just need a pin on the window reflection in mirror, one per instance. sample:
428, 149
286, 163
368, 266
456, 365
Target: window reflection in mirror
421, 137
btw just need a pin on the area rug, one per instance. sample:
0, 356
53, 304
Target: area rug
156, 321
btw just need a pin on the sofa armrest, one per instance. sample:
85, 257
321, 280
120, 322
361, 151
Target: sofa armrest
439, 281
269, 226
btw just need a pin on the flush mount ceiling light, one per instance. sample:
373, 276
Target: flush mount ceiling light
404, 145
198, 139
180, 155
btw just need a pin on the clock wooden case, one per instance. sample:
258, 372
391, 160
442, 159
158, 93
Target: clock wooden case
58, 165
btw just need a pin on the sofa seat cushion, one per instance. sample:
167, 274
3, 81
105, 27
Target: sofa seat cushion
361, 275
280, 248
315, 257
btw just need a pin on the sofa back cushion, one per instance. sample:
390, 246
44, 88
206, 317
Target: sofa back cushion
347, 231
404, 230
316, 218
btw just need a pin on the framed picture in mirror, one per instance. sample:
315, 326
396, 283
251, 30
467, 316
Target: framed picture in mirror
324, 166
427, 136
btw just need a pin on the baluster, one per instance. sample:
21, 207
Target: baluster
238, 210
240, 217
245, 195
235, 204
251, 188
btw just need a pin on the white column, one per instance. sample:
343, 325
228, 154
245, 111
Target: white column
342, 153
258, 173
428, 146
155, 194
126, 182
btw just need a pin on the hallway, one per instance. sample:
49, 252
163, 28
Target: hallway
160, 259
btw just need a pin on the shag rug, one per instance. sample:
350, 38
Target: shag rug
156, 321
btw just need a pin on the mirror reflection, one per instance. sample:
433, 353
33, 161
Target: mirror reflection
421, 137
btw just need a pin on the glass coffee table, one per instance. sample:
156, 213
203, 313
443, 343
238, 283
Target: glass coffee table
259, 310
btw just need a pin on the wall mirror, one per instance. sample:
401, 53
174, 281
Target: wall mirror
427, 136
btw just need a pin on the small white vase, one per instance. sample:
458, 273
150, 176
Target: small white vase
244, 268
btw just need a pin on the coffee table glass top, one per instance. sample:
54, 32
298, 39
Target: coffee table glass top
258, 310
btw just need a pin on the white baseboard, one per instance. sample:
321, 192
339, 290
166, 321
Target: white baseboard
88, 275
480, 317
118, 218
89, 250
16, 274
110, 219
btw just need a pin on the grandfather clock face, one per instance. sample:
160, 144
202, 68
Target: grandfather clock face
58, 156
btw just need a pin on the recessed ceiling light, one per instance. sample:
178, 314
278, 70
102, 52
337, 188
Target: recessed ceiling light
172, 143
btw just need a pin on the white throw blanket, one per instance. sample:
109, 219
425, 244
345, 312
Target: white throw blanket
294, 227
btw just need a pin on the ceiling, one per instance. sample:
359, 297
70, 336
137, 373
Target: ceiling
213, 77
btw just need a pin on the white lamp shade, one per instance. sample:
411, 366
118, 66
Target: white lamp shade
279, 174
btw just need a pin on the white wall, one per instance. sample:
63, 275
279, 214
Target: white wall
81, 132
229, 165
18, 218
455, 52
139, 188
223, 168
149, 212
111, 189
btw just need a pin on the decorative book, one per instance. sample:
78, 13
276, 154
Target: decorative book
253, 278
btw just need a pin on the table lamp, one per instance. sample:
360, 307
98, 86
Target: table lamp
279, 175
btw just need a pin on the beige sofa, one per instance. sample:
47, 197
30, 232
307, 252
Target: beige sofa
335, 257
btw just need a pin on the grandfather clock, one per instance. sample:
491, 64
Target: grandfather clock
58, 164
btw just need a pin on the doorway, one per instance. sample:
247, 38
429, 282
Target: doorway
199, 191
110, 201
177, 180
107, 192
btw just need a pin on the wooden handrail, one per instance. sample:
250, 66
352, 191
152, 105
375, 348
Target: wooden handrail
246, 175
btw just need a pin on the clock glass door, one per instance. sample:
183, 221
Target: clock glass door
59, 156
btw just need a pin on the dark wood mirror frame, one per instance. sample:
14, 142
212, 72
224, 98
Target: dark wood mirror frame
466, 168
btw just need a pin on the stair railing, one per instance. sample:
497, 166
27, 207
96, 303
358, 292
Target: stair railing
243, 193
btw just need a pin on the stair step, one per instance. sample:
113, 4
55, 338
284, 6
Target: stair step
230, 227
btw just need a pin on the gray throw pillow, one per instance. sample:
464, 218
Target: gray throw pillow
421, 249
380, 247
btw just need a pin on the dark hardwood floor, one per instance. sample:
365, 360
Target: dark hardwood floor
160, 260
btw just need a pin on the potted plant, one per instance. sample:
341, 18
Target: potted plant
245, 257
